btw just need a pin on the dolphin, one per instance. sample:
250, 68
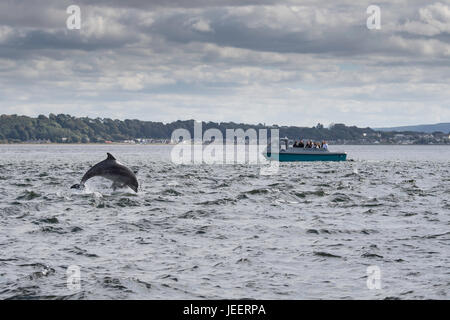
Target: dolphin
113, 170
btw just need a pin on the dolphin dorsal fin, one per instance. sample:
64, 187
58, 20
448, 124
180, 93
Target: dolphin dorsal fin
110, 156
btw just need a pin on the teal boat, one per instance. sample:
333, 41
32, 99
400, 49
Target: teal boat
287, 153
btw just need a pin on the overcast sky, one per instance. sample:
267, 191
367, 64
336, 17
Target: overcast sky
266, 61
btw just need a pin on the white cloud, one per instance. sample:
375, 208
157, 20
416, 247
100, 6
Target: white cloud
5, 32
433, 19
202, 25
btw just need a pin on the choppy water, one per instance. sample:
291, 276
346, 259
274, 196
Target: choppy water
225, 231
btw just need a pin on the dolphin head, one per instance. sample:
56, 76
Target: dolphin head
132, 182
134, 185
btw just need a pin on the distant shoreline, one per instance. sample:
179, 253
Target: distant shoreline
172, 144
85, 144
63, 128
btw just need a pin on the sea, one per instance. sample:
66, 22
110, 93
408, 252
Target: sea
374, 227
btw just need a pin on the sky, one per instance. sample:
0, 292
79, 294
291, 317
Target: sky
268, 61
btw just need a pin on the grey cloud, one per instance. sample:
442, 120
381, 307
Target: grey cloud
235, 31
64, 40
143, 4
238, 34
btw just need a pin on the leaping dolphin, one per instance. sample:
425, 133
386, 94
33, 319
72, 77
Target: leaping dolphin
113, 170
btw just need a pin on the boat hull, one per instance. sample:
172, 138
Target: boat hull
309, 156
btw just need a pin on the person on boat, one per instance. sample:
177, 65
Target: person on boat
309, 144
324, 145
295, 145
301, 144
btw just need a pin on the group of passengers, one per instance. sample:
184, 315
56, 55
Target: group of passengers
311, 145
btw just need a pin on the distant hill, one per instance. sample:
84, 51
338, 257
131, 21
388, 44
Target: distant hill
428, 128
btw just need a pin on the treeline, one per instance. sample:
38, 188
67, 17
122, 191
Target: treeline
65, 128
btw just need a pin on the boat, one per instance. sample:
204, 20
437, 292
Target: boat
287, 153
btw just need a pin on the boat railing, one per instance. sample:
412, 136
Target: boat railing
287, 145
